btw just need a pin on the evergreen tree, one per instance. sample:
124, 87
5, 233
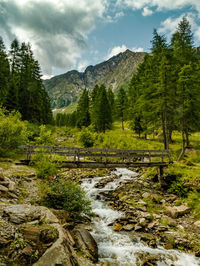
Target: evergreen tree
4, 73
121, 105
83, 115
102, 118
184, 54
111, 100
189, 109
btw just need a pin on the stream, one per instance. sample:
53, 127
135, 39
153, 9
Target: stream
117, 247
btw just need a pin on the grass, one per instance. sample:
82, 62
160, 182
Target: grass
186, 171
66, 110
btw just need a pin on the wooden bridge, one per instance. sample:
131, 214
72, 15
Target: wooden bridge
100, 158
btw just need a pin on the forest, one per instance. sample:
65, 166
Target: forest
21, 86
164, 93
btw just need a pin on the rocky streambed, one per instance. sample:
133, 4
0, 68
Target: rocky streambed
135, 223
128, 234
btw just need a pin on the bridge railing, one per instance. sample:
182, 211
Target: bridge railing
97, 154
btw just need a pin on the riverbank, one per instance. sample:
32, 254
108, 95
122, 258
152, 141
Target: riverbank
145, 218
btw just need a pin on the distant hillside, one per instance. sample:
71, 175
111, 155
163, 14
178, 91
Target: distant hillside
115, 72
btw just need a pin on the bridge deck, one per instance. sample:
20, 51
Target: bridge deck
100, 158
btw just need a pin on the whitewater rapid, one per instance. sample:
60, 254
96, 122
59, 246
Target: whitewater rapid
117, 247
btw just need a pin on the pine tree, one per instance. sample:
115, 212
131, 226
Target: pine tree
111, 100
189, 109
83, 115
121, 105
102, 118
4, 73
184, 54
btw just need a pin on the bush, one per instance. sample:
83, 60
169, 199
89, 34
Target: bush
177, 187
67, 195
86, 138
44, 165
193, 201
13, 132
46, 136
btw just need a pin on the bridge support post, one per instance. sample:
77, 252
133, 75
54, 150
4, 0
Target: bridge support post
160, 176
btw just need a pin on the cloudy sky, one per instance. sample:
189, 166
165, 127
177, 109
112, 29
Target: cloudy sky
72, 34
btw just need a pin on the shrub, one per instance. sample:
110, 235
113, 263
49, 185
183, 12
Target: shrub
86, 138
193, 201
67, 195
177, 187
46, 136
13, 132
44, 165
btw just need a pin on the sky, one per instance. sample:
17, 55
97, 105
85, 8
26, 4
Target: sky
72, 34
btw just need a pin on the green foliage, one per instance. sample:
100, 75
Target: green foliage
177, 187
21, 86
44, 165
83, 115
86, 138
13, 132
67, 195
46, 136
193, 201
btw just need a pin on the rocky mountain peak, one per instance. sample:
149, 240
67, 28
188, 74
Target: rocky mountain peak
114, 72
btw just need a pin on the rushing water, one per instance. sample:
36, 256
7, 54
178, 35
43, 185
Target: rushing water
118, 248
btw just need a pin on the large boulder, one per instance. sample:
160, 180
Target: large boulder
60, 253
177, 211
23, 213
86, 243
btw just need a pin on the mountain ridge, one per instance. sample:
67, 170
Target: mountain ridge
117, 71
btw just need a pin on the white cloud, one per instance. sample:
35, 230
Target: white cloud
169, 25
147, 12
57, 29
137, 49
116, 50
82, 65
120, 49
159, 4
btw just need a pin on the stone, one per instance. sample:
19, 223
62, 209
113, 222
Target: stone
26, 213
138, 227
11, 186
197, 223
129, 227
27, 251
142, 221
32, 233
168, 245
146, 215
177, 211
141, 202
117, 227
146, 195
2, 178
48, 235
59, 253
151, 225
86, 243
3, 189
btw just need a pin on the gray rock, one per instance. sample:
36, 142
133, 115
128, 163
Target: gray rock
146, 195
177, 211
3, 189
86, 243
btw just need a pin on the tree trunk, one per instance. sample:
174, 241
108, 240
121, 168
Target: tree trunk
187, 138
122, 123
165, 135
183, 133
183, 146
170, 136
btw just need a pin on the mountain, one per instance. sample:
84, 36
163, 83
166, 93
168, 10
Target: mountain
115, 72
